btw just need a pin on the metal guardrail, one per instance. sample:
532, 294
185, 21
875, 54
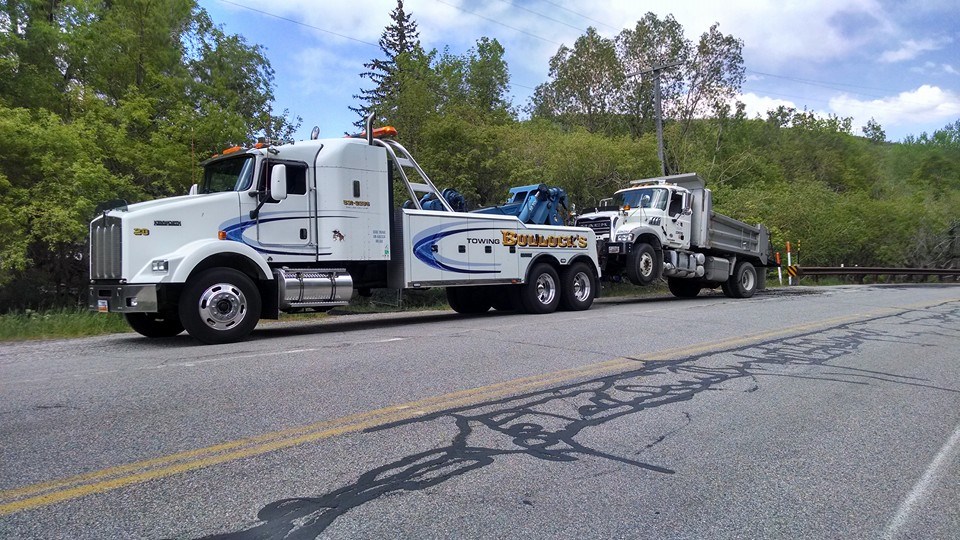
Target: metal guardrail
859, 272
874, 271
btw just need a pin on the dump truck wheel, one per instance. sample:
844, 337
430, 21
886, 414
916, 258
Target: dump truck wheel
743, 282
643, 264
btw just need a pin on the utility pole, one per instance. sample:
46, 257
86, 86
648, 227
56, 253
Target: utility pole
658, 113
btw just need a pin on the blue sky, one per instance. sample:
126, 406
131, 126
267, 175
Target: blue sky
898, 62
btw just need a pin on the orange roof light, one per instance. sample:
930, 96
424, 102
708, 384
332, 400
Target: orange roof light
380, 132
231, 150
385, 131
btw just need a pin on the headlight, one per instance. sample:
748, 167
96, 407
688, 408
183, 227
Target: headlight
625, 237
160, 266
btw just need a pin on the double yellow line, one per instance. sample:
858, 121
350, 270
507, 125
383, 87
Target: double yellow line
55, 491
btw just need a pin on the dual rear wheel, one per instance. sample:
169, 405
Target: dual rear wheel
743, 283
573, 289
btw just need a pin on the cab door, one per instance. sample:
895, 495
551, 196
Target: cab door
285, 228
677, 225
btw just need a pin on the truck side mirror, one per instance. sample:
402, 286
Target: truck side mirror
194, 189
278, 182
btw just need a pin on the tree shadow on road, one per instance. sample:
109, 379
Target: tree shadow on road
546, 424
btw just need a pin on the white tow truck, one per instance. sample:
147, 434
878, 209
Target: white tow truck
301, 226
666, 227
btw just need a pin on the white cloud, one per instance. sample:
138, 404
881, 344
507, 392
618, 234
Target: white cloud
823, 40
924, 105
759, 105
321, 71
933, 68
774, 33
911, 48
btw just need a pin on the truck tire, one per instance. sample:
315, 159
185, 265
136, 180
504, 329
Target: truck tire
644, 264
743, 282
468, 300
221, 305
154, 325
578, 287
541, 293
684, 288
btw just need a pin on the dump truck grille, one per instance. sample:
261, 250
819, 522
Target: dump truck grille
105, 244
600, 225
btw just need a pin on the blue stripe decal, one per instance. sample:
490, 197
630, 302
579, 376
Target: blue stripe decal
235, 233
423, 250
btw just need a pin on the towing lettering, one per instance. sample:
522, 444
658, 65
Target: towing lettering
511, 238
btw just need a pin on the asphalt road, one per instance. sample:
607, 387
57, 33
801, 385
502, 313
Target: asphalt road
806, 413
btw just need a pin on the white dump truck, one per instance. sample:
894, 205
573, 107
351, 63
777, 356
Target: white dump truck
666, 227
301, 226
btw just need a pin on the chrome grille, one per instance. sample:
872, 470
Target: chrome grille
105, 243
600, 225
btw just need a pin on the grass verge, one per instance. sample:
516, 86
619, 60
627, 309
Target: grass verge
59, 323
66, 323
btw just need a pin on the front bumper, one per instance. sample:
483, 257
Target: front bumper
122, 298
618, 248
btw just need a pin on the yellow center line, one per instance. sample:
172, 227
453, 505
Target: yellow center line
54, 491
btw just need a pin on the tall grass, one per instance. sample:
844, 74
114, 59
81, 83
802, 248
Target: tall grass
59, 323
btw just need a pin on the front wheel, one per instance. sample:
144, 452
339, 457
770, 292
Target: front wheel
643, 264
154, 325
221, 305
578, 287
541, 293
743, 282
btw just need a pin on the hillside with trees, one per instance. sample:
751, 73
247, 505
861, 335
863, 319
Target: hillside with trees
123, 100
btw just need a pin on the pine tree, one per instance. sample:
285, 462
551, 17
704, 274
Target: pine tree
400, 37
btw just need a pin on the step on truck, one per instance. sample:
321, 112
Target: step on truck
302, 226
666, 227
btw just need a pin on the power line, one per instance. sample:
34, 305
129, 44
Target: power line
826, 84
500, 23
544, 16
522, 86
348, 37
582, 15
300, 23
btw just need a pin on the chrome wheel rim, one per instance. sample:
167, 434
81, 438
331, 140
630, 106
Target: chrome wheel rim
581, 286
747, 281
546, 288
222, 306
646, 264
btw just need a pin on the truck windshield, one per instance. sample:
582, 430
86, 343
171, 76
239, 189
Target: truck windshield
235, 174
642, 198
